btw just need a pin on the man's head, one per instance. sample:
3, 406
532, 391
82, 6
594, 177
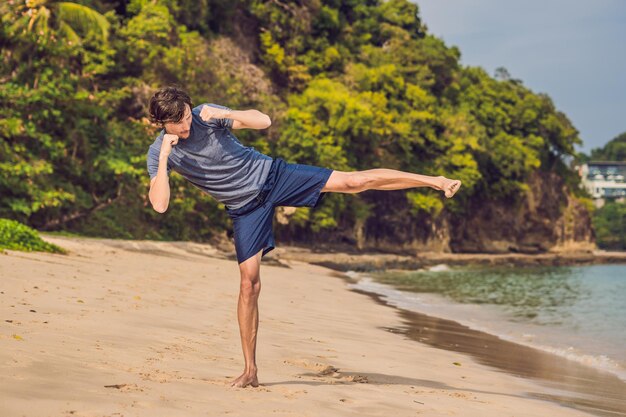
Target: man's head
170, 108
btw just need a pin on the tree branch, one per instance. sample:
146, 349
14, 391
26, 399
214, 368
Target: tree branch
78, 214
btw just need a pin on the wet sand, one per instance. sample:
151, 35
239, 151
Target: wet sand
564, 381
142, 328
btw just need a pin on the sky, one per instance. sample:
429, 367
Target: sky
574, 51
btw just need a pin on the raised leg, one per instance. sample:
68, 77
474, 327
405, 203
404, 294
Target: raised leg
387, 179
248, 316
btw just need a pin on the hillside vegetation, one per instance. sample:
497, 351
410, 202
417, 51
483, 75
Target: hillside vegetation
348, 84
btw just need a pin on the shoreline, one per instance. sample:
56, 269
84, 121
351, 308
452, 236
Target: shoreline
149, 328
580, 386
564, 374
492, 320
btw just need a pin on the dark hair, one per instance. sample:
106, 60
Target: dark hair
167, 105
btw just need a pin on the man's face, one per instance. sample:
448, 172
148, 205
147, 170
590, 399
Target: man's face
182, 128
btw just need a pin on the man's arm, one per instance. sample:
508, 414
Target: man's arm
250, 119
160, 187
159, 193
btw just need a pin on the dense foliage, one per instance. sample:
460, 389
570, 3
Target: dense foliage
349, 85
17, 236
609, 221
614, 150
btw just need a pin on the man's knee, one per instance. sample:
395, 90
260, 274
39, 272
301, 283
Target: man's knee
250, 288
357, 181
250, 285
250, 277
347, 182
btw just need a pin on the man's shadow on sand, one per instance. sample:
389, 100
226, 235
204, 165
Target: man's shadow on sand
334, 377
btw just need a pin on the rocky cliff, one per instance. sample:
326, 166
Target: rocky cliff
546, 218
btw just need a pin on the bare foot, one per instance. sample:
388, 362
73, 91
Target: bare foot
450, 187
246, 379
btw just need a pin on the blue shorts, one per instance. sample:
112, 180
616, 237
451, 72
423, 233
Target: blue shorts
287, 184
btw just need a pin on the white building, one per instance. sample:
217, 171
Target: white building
604, 180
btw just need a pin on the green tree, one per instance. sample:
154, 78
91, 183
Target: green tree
614, 150
48, 20
349, 85
609, 223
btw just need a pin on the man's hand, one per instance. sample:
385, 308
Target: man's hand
209, 112
168, 142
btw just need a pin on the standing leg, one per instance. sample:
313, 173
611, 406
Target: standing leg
248, 316
387, 179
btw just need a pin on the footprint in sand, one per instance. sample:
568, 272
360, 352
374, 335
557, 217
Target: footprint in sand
289, 394
319, 368
361, 379
322, 370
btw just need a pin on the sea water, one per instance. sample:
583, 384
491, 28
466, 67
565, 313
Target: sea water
574, 311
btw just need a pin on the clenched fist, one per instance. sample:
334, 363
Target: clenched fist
209, 112
168, 141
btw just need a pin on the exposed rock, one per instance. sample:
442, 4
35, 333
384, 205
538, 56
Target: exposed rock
547, 218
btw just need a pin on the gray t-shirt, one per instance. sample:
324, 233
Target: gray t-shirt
212, 159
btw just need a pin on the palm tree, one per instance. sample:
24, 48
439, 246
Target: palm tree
47, 18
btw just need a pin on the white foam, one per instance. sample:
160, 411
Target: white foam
352, 274
439, 268
476, 317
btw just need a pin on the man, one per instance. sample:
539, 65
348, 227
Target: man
197, 143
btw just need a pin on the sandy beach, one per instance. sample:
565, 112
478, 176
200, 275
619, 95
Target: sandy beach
142, 328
